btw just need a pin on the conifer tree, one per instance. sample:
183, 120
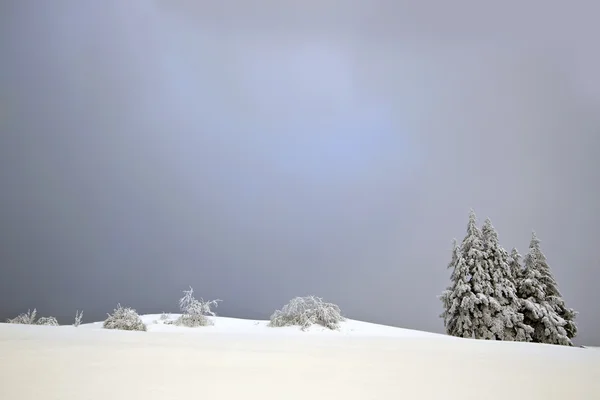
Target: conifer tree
446, 297
466, 301
506, 319
544, 308
514, 262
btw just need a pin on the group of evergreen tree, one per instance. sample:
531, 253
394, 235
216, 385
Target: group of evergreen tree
493, 296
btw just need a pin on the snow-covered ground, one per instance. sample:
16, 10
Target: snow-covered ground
237, 358
225, 325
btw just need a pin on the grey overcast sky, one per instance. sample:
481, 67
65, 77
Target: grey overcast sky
258, 151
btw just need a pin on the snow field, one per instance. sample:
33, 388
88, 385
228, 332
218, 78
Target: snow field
236, 358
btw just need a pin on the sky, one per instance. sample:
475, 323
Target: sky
266, 151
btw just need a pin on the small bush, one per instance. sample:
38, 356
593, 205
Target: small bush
192, 320
27, 318
78, 318
306, 311
165, 316
124, 318
195, 311
48, 321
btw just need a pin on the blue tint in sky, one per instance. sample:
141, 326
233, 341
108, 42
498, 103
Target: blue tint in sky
262, 151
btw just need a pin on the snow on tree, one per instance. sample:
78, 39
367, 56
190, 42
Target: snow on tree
306, 311
27, 318
482, 300
553, 295
124, 318
195, 311
455, 255
48, 321
78, 318
514, 262
186, 301
544, 307
506, 319
467, 300
449, 295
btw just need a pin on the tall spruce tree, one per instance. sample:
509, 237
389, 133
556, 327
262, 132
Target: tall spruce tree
467, 309
514, 262
450, 320
544, 308
506, 320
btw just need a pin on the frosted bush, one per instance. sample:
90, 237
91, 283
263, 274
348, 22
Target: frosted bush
48, 321
124, 318
189, 304
195, 311
192, 320
78, 318
164, 316
306, 311
27, 318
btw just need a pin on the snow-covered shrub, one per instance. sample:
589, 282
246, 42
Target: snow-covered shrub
306, 311
48, 321
124, 318
192, 320
78, 318
163, 319
189, 304
27, 318
195, 311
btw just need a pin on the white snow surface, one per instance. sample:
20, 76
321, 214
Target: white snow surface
225, 325
238, 358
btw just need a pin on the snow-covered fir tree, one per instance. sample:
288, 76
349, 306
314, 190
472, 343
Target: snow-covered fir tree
514, 262
505, 320
455, 255
449, 295
544, 307
467, 309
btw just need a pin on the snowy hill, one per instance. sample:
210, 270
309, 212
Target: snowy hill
225, 325
238, 358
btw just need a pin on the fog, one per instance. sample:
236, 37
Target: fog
263, 152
